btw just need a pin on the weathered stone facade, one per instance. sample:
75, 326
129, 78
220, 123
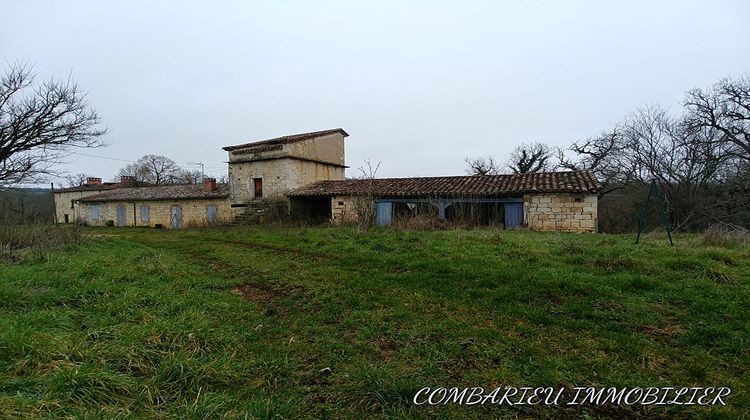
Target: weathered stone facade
194, 212
278, 177
283, 167
65, 204
542, 212
342, 210
561, 212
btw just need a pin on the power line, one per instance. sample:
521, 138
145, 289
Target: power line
210, 167
103, 157
131, 161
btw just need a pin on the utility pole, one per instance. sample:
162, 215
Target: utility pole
203, 173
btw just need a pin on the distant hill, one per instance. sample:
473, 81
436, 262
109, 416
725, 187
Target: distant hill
26, 205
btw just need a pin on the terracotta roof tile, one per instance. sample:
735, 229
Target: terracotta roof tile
101, 187
288, 139
160, 192
479, 185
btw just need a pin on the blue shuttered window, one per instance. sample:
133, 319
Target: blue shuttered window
144, 215
94, 212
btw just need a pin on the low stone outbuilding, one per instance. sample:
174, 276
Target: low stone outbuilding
549, 201
168, 206
65, 199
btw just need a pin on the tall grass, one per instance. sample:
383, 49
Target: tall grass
36, 239
723, 235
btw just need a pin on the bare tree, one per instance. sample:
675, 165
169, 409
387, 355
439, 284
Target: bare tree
601, 155
187, 176
482, 166
533, 157
700, 159
364, 203
724, 107
133, 170
75, 180
41, 124
154, 169
652, 145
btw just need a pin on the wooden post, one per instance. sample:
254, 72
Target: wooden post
54, 203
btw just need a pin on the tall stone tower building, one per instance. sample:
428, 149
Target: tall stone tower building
271, 168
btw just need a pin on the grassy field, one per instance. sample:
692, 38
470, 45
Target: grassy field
246, 321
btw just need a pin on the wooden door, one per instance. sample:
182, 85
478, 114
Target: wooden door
258, 184
176, 217
120, 215
211, 214
513, 215
383, 213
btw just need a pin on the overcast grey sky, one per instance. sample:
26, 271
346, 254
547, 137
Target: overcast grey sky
419, 86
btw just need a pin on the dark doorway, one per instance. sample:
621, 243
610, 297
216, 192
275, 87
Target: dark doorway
476, 214
258, 184
314, 210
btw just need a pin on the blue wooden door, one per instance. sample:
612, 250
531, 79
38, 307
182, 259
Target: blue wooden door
211, 214
383, 213
121, 215
513, 215
176, 217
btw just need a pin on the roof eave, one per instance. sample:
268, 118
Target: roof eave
281, 139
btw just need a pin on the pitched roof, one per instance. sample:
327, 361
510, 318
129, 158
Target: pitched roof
475, 185
104, 186
160, 192
288, 139
86, 187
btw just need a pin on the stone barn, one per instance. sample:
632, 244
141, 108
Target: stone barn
559, 201
302, 176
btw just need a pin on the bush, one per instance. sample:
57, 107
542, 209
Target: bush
364, 210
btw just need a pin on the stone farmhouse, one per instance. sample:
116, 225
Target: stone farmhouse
303, 175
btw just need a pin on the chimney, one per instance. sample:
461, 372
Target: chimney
93, 181
127, 181
209, 184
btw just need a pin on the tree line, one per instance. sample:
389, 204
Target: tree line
700, 159
149, 169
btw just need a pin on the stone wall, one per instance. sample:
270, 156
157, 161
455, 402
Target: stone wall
328, 148
278, 175
285, 167
561, 212
342, 210
194, 212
